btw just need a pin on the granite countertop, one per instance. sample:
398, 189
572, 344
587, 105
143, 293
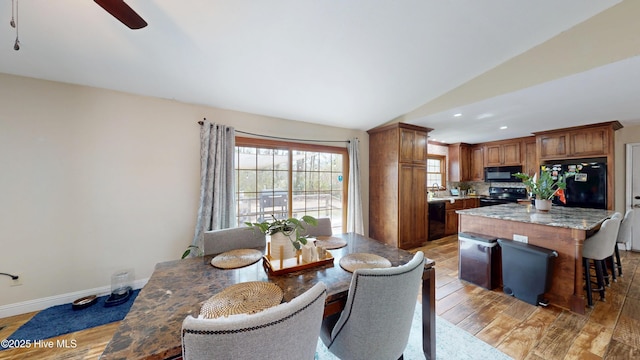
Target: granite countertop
178, 288
558, 216
453, 198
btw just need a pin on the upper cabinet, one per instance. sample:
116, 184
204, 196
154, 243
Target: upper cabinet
502, 153
477, 163
466, 162
530, 163
413, 146
459, 162
578, 142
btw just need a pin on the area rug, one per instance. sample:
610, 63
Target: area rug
451, 343
62, 319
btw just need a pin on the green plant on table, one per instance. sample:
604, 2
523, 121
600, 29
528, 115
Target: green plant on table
547, 185
287, 227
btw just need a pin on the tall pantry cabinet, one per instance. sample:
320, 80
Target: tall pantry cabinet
398, 209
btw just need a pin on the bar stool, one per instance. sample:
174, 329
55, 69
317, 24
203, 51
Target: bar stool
598, 248
624, 236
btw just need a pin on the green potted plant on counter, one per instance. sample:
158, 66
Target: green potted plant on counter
286, 236
549, 184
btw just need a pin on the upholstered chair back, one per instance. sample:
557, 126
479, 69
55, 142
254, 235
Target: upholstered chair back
288, 331
601, 245
322, 229
377, 317
219, 241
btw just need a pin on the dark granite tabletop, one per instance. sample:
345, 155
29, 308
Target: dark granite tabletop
151, 329
558, 216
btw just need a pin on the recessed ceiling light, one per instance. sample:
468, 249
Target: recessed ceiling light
502, 127
457, 115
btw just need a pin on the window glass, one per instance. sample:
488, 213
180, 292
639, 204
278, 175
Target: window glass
290, 180
436, 171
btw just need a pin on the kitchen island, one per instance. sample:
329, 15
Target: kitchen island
561, 229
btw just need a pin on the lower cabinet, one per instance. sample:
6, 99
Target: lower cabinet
451, 218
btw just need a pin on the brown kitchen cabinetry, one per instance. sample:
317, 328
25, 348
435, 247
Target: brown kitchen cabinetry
477, 163
398, 212
413, 146
459, 162
530, 164
578, 142
502, 153
451, 217
466, 162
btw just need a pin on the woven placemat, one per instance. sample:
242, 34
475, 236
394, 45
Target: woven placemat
330, 242
355, 261
244, 298
237, 258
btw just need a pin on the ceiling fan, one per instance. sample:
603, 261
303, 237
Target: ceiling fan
123, 12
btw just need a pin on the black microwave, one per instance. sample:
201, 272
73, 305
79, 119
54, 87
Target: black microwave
502, 174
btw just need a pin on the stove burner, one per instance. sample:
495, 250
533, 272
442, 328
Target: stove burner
503, 195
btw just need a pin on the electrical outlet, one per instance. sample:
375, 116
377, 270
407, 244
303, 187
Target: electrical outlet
521, 238
18, 281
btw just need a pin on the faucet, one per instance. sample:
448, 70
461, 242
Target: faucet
434, 187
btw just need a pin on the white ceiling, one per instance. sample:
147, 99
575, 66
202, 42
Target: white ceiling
350, 63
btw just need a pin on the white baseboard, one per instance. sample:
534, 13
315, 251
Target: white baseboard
43, 303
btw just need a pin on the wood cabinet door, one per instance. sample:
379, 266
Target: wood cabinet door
459, 162
530, 165
553, 146
413, 211
407, 140
476, 168
511, 154
450, 223
492, 155
420, 148
589, 142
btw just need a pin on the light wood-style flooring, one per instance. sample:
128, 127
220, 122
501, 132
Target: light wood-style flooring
611, 330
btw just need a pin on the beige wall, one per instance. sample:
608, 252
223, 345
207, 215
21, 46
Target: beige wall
626, 135
93, 181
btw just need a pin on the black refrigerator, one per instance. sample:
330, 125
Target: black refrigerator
588, 188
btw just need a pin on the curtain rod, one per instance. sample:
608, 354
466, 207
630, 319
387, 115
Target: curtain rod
283, 138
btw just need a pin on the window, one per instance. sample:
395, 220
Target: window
290, 180
436, 171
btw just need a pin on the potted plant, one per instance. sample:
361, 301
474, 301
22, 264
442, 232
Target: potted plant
549, 184
286, 234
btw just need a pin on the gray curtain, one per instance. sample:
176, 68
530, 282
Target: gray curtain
354, 199
217, 208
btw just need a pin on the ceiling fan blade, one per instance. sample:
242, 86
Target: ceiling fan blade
122, 12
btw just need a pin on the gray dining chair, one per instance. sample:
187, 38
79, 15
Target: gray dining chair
219, 241
624, 237
598, 248
322, 229
377, 317
288, 331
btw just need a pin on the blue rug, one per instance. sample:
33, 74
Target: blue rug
451, 343
62, 319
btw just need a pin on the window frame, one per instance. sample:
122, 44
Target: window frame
291, 146
443, 170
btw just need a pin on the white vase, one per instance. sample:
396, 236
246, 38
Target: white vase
281, 246
543, 204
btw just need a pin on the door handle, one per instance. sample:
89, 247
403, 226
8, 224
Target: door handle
637, 197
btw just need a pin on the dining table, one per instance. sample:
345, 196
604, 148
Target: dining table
178, 288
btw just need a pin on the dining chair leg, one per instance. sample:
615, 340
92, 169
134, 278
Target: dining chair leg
600, 278
618, 263
610, 263
587, 278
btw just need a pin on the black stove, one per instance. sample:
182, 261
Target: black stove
503, 195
